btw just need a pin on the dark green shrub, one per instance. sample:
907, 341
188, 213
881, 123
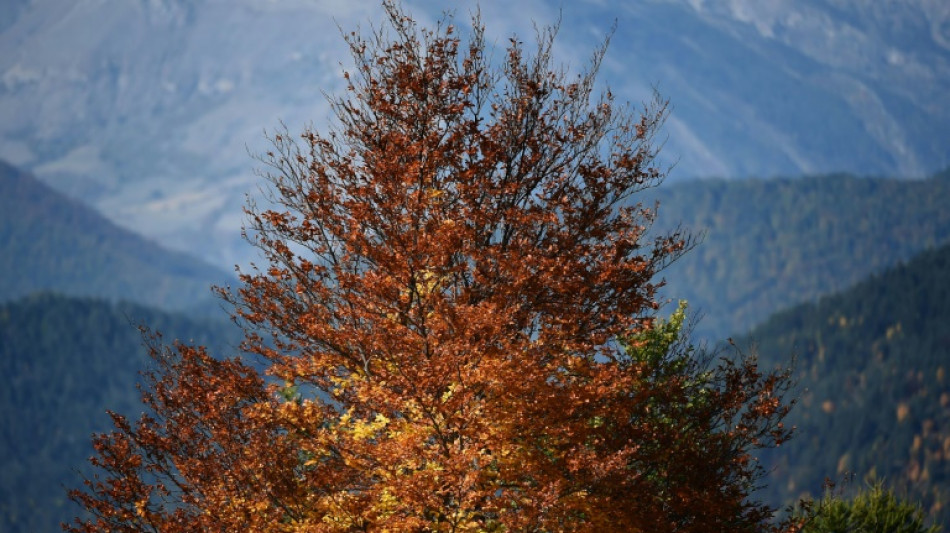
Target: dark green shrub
874, 510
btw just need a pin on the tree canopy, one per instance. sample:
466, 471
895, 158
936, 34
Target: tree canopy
458, 322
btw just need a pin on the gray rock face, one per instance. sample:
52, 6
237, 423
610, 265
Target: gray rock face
147, 108
888, 62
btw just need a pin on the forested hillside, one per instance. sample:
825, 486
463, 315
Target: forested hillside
773, 243
63, 362
872, 366
51, 242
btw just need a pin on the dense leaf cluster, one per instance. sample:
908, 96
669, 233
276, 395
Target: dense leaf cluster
873, 510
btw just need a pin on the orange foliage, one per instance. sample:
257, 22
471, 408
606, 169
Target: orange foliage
450, 270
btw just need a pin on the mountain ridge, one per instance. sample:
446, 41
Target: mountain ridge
55, 243
773, 243
150, 119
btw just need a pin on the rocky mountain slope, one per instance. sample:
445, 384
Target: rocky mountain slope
147, 108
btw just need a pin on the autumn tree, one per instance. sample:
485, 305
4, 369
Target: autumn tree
458, 324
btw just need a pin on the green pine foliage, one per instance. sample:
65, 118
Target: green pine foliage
874, 510
874, 391
773, 243
64, 362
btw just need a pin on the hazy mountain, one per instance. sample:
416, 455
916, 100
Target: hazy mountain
51, 242
772, 243
145, 108
873, 389
63, 363
800, 86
